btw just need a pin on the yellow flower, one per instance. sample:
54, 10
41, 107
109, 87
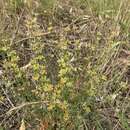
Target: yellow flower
36, 76
66, 115
48, 88
50, 107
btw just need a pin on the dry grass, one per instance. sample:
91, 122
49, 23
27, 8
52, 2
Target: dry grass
83, 46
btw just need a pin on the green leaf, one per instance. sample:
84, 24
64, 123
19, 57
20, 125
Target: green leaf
1, 128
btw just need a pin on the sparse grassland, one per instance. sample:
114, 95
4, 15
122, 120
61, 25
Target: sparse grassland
65, 65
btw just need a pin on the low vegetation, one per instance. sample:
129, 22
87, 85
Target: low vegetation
64, 65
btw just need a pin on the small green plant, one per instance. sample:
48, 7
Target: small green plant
64, 66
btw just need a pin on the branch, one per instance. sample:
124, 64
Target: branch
24, 105
38, 35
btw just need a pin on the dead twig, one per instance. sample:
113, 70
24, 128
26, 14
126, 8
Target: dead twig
17, 28
25, 105
35, 36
